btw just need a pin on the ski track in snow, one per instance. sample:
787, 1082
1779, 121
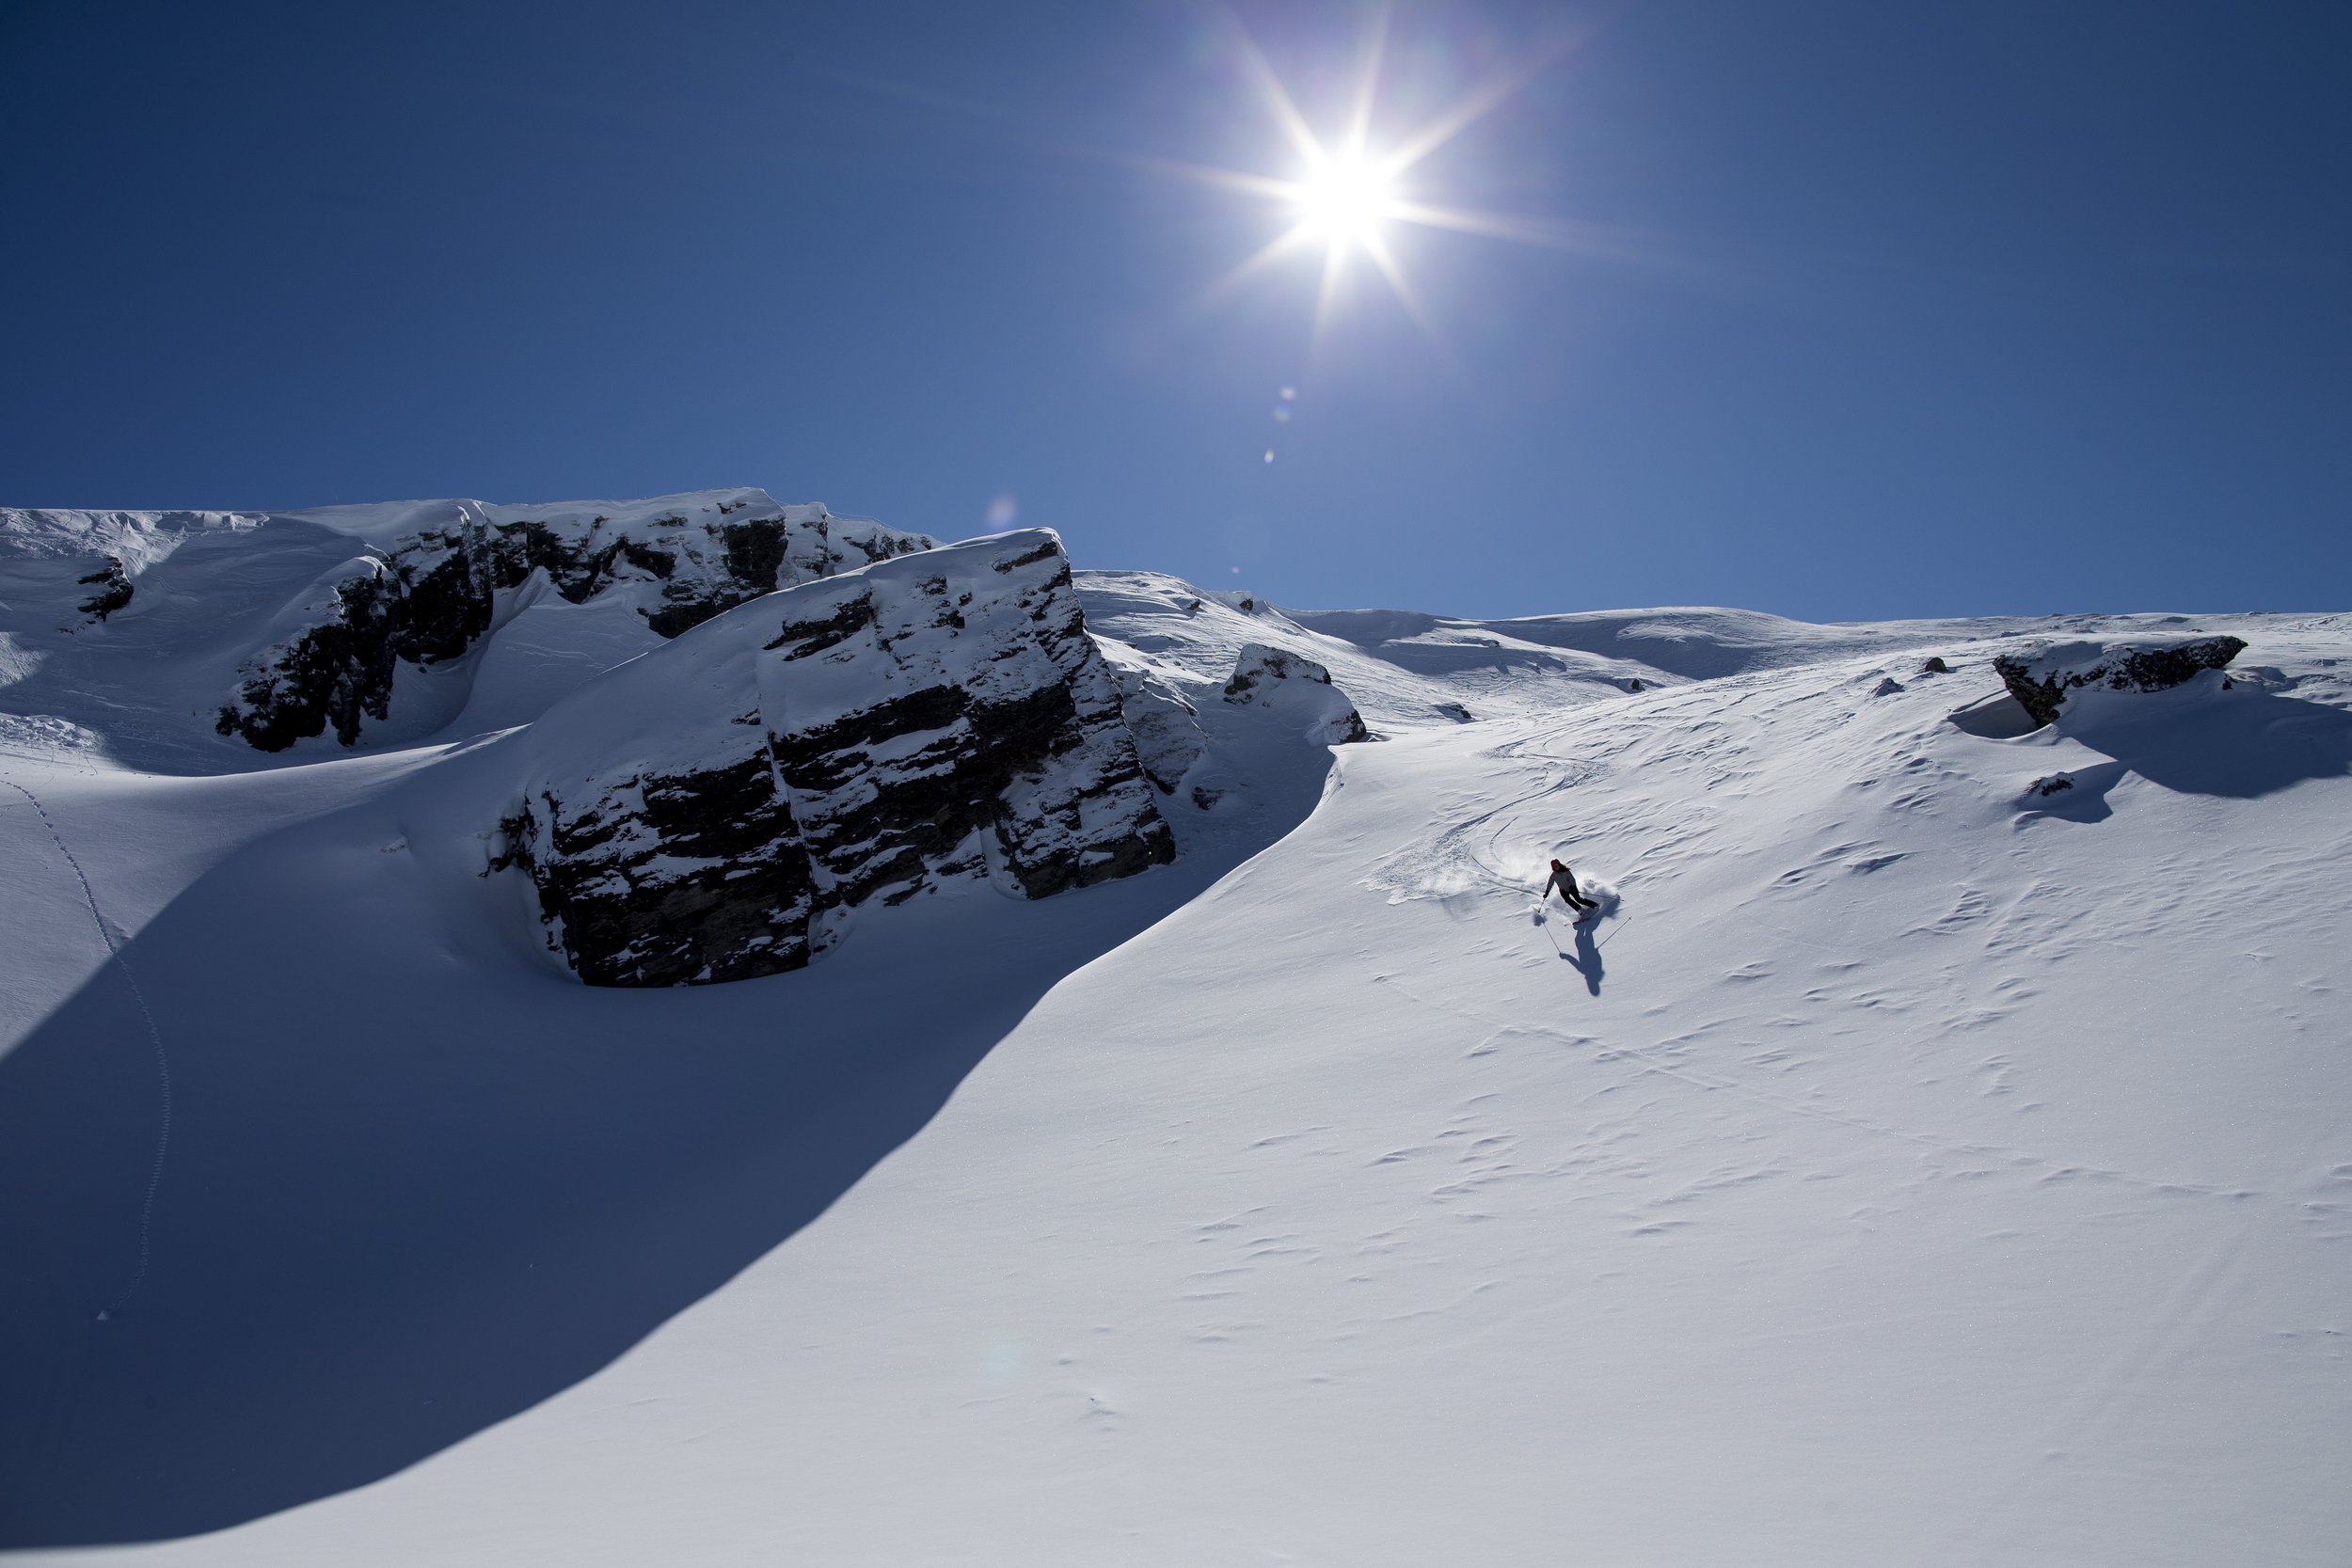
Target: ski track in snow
155, 1040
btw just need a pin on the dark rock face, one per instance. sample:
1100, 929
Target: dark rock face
2041, 678
432, 596
1935, 666
114, 590
670, 878
338, 672
716, 810
1270, 677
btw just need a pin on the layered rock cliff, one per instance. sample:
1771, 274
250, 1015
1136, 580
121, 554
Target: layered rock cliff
715, 810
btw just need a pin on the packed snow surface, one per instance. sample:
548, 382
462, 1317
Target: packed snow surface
1913, 1161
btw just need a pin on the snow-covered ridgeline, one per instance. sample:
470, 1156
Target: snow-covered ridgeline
432, 593
415, 587
132, 540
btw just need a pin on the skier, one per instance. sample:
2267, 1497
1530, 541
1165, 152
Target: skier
1564, 879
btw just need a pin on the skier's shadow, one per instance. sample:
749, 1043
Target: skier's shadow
1586, 956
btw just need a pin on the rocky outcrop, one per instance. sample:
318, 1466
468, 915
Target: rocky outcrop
114, 589
686, 877
430, 595
717, 809
1270, 677
2041, 678
338, 672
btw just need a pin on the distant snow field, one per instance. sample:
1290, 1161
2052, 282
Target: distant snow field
1189, 1140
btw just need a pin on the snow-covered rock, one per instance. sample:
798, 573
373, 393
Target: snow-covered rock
712, 811
2041, 679
1295, 684
429, 594
1163, 722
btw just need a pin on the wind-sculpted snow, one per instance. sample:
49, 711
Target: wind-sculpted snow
1394, 685
715, 810
1653, 646
1403, 669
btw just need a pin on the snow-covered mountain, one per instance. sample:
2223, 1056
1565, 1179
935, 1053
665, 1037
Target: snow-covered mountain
1194, 1143
290, 626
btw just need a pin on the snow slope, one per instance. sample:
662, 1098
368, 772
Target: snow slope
1908, 1167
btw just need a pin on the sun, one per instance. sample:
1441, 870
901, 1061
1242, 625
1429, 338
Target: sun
1345, 199
1348, 196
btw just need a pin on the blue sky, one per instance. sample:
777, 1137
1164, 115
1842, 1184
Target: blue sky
1901, 309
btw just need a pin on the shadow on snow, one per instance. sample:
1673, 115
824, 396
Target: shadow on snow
1585, 956
2237, 745
415, 1186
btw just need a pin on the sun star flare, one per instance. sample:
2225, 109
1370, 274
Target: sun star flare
1347, 197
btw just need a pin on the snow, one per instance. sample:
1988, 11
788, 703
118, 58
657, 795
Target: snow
1904, 1168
